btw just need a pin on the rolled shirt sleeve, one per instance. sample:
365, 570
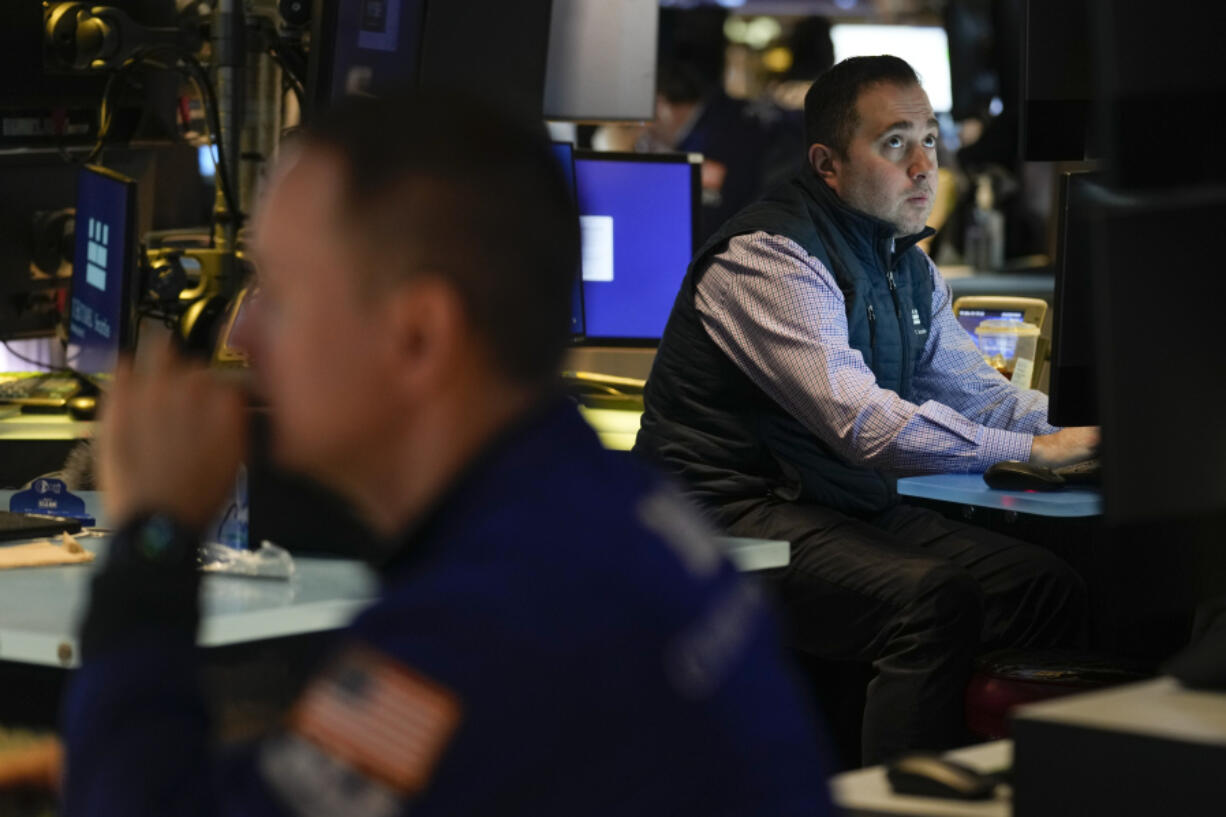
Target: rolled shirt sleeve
779, 314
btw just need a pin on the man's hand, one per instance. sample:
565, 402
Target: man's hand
171, 440
1066, 446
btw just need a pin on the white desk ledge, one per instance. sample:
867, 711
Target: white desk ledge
867, 792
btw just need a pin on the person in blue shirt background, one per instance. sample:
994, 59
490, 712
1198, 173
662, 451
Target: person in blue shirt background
554, 633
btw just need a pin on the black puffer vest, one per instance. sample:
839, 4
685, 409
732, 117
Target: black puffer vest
707, 423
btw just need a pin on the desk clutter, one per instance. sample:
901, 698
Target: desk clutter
45, 553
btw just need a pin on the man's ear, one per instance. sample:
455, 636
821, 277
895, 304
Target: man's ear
427, 324
825, 164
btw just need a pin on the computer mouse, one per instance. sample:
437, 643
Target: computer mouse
931, 776
1012, 475
84, 407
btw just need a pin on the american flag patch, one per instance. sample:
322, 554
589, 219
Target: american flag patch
379, 717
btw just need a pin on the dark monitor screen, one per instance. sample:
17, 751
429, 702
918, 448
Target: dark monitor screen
496, 50
1074, 382
564, 152
1158, 290
102, 270
638, 215
363, 46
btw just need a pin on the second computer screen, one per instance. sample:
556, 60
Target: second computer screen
637, 216
102, 270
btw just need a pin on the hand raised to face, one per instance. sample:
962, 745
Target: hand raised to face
170, 441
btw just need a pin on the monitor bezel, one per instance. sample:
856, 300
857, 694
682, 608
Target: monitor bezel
576, 338
694, 160
1072, 386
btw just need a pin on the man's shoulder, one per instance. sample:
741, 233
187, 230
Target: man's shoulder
785, 212
598, 520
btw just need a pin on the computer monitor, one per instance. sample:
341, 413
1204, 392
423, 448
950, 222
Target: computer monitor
972, 310
602, 60
495, 49
103, 273
361, 47
1157, 291
564, 152
1074, 381
925, 48
638, 213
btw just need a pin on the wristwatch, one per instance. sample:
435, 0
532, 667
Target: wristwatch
158, 539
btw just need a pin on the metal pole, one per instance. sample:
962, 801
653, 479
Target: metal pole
229, 58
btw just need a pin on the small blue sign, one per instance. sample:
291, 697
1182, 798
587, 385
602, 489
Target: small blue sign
50, 497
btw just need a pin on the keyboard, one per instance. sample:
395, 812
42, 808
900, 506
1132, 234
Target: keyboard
50, 392
1086, 472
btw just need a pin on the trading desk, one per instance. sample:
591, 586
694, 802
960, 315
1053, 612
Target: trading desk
970, 489
617, 430
40, 607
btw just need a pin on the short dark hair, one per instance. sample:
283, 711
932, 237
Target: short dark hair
456, 186
830, 104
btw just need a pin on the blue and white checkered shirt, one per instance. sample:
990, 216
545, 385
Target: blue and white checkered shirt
778, 313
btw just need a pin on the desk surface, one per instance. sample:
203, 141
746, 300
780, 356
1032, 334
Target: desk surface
1158, 708
617, 428
40, 607
970, 489
867, 793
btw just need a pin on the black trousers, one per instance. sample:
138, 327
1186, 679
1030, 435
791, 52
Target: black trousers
918, 596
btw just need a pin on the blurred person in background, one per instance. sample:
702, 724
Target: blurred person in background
810, 359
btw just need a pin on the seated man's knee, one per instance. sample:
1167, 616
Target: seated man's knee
944, 596
1052, 578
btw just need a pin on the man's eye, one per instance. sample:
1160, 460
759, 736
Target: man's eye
894, 142
930, 141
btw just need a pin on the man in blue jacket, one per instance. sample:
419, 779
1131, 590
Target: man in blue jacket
554, 634
812, 357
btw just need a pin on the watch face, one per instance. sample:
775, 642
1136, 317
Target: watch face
159, 541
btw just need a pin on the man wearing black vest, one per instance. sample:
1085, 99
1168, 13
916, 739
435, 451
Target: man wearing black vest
811, 358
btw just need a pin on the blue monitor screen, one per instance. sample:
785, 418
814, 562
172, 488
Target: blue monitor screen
101, 269
564, 152
637, 220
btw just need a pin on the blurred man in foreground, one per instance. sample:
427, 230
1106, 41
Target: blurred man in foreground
554, 634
